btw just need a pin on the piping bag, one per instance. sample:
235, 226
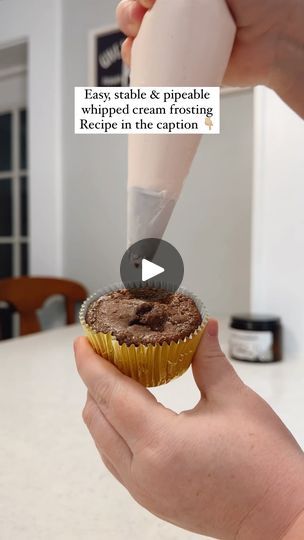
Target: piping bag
180, 43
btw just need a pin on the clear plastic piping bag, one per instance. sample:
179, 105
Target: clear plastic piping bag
180, 43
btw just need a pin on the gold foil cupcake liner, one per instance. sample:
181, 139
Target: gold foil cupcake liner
151, 365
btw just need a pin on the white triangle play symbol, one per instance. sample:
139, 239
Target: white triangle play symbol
150, 270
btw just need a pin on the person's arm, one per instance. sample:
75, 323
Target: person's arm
287, 77
268, 49
229, 468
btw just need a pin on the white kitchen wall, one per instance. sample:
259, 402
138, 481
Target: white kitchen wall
278, 226
94, 166
211, 224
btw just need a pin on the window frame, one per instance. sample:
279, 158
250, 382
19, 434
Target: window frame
14, 175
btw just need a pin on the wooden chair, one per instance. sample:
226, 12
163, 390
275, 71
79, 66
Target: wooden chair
27, 294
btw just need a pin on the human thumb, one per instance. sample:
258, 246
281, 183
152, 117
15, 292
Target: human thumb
212, 371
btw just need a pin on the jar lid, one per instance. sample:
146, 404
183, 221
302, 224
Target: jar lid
255, 322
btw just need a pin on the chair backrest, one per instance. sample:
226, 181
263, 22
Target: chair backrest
27, 294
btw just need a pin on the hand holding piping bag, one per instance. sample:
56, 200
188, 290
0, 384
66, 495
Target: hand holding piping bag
268, 49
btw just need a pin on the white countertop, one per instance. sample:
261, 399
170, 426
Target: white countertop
53, 486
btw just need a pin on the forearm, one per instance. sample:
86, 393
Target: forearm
288, 73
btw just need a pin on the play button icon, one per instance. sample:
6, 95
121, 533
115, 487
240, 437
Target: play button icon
150, 270
154, 263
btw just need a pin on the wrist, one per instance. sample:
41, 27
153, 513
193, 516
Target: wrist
296, 530
280, 512
287, 74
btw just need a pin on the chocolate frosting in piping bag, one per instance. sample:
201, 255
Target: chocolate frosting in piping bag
188, 44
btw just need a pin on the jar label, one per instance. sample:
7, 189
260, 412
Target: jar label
251, 346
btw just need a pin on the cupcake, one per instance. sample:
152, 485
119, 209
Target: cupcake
149, 334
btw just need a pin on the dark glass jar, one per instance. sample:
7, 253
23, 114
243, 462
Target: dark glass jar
255, 338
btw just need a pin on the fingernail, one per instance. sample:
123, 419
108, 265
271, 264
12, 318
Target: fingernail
75, 345
212, 328
147, 3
